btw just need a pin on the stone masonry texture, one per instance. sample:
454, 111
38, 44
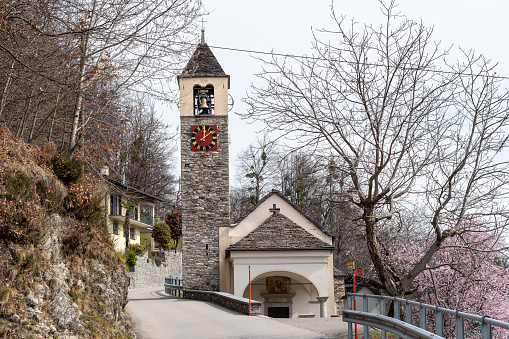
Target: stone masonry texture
205, 204
148, 274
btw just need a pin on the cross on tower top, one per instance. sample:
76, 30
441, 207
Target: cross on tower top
202, 30
274, 209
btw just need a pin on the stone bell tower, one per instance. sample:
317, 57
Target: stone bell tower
204, 166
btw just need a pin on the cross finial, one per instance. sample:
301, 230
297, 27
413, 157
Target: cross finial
203, 31
274, 209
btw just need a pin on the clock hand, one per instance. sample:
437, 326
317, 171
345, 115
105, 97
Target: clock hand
204, 133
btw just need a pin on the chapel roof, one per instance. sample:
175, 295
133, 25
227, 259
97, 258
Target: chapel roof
317, 224
279, 233
203, 63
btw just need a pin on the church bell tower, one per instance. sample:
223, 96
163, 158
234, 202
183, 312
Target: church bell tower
204, 166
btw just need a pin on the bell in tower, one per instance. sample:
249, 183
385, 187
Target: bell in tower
204, 100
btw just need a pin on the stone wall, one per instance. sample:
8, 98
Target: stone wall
205, 203
148, 274
339, 293
227, 300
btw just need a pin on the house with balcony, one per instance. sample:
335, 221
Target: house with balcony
141, 218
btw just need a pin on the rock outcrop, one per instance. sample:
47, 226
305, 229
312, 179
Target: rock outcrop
59, 274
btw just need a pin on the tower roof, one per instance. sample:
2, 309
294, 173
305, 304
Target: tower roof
203, 63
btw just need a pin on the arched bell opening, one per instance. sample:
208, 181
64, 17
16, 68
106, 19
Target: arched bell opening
285, 295
203, 100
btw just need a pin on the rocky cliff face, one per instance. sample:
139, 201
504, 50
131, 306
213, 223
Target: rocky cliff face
59, 274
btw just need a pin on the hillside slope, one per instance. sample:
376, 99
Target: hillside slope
59, 274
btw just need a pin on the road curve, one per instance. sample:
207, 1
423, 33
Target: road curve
156, 315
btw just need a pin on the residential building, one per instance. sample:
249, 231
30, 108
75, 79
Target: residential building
142, 217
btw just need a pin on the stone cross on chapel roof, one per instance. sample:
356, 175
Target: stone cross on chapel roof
274, 209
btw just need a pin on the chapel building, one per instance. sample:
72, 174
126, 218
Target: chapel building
289, 255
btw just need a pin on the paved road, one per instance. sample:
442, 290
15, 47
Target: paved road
156, 315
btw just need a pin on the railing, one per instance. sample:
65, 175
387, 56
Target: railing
147, 219
173, 286
405, 329
144, 218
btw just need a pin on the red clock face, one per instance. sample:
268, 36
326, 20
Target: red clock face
204, 138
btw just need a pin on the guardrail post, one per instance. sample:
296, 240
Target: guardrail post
365, 309
349, 306
422, 317
485, 329
166, 289
409, 313
460, 330
439, 322
396, 313
383, 312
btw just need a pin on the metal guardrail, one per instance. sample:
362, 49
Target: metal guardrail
173, 286
405, 329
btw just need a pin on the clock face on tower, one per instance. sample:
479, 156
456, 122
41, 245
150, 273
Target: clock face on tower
204, 138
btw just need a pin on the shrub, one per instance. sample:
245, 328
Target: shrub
84, 201
20, 186
174, 221
136, 248
68, 170
168, 246
132, 259
161, 233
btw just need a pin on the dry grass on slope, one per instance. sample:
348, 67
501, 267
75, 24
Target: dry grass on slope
59, 274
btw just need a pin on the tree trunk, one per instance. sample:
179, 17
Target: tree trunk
127, 227
54, 115
389, 277
79, 100
6, 87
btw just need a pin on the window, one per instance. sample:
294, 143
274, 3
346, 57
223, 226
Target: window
115, 227
133, 233
147, 214
115, 205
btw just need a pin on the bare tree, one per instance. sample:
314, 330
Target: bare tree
126, 46
256, 164
409, 128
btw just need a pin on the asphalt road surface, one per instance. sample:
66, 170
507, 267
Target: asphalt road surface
156, 315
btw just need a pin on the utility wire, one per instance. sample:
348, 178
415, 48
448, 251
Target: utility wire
362, 63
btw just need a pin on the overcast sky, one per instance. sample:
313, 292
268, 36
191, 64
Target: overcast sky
284, 26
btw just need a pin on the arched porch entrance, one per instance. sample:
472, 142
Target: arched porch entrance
285, 295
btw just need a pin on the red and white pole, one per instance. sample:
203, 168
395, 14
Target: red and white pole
354, 299
249, 290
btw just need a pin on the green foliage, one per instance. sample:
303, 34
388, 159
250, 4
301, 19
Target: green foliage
121, 256
128, 205
161, 233
174, 222
145, 239
132, 259
68, 170
168, 246
137, 248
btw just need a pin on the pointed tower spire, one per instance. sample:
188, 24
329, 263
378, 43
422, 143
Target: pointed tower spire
202, 35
